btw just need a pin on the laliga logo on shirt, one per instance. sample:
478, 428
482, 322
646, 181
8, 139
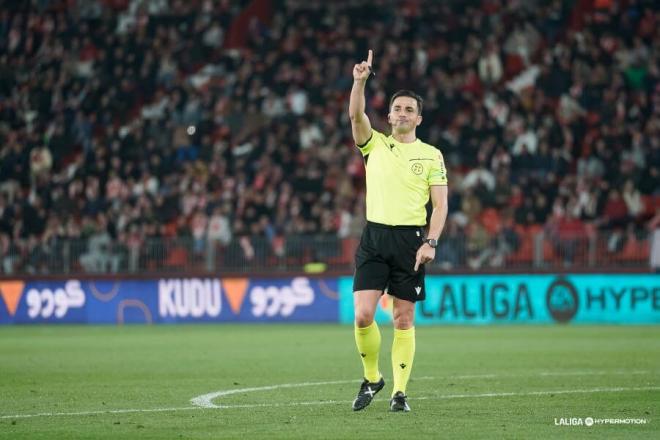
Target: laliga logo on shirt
272, 300
45, 303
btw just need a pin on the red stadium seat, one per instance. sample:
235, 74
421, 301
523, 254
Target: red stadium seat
177, 258
634, 250
525, 252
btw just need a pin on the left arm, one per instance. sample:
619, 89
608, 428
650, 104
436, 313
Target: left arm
439, 199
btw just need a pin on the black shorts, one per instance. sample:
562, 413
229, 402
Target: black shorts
385, 259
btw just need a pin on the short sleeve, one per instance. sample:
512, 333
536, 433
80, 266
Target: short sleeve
438, 173
376, 137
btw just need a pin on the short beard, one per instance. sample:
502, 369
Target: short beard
401, 129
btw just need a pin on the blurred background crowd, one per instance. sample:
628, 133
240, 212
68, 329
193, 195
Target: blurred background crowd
223, 125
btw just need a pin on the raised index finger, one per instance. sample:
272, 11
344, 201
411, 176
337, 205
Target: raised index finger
370, 57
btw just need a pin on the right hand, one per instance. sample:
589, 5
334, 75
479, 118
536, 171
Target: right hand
362, 70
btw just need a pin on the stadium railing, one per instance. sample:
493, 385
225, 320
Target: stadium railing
532, 251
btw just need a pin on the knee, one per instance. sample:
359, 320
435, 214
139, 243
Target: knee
403, 323
403, 320
363, 318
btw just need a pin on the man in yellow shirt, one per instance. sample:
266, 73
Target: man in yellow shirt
402, 172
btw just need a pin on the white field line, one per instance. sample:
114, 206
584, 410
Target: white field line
592, 373
92, 413
331, 402
205, 401
443, 397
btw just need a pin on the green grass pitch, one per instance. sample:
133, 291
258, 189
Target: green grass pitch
468, 382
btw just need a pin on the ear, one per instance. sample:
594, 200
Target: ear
389, 118
419, 120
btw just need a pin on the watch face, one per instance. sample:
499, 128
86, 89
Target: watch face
432, 242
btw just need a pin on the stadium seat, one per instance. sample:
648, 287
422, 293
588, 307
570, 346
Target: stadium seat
177, 257
525, 252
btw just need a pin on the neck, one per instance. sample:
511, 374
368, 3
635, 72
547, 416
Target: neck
405, 138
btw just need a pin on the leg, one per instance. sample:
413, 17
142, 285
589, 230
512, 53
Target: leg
403, 346
404, 314
367, 339
367, 334
371, 276
366, 302
407, 286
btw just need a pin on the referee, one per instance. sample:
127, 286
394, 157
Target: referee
401, 172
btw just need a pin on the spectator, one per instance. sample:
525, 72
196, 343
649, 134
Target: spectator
152, 122
616, 210
571, 234
99, 256
633, 199
490, 65
452, 249
219, 230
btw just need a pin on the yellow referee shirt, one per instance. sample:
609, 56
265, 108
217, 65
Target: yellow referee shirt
398, 179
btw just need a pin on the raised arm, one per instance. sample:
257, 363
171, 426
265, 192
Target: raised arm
359, 121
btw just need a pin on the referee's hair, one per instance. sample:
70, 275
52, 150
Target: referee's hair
410, 94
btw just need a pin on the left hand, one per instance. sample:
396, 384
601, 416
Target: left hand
424, 254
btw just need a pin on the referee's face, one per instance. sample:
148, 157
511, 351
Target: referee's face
404, 115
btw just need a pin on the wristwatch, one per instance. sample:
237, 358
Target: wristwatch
431, 242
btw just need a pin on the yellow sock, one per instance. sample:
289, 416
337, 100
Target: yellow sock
367, 340
403, 353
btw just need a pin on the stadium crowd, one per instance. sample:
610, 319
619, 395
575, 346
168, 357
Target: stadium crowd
223, 121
